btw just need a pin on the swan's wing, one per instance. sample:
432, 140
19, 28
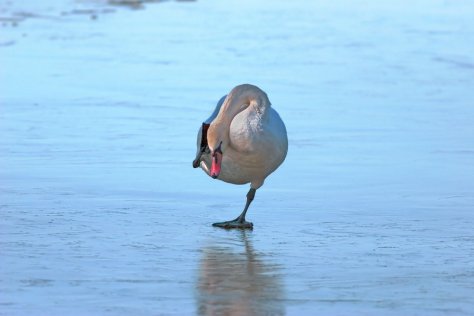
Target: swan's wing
202, 132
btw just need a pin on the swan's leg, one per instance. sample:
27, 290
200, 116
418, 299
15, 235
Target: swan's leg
250, 197
240, 221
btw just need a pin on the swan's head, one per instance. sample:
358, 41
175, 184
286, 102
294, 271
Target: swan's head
216, 156
217, 145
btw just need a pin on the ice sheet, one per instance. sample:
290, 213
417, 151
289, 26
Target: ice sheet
102, 213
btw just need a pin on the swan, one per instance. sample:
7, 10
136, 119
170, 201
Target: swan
243, 141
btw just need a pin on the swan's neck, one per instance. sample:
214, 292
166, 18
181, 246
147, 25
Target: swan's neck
239, 99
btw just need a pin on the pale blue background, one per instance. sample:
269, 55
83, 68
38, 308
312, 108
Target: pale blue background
102, 213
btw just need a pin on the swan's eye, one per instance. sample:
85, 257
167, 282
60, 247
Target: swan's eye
218, 149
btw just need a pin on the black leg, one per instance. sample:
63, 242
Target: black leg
240, 221
250, 197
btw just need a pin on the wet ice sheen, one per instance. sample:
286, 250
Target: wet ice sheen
101, 212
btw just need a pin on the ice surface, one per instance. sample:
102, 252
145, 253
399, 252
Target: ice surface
102, 213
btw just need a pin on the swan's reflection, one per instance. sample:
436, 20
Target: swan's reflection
233, 280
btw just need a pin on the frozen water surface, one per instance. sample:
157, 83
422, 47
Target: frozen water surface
102, 213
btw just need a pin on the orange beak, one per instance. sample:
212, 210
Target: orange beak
216, 164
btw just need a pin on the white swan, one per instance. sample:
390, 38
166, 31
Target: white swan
243, 141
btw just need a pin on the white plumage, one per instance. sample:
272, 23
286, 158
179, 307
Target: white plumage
243, 141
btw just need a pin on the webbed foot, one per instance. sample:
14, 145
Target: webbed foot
234, 224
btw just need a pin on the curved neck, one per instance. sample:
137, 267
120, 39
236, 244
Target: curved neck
240, 98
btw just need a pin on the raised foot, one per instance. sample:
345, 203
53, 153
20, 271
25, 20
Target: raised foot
234, 224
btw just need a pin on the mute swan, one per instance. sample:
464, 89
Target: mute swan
244, 140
